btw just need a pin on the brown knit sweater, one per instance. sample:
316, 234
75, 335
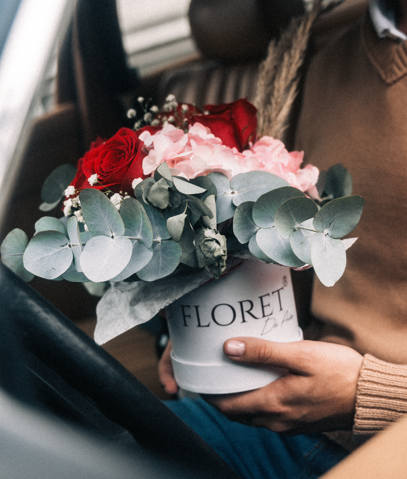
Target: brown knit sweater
354, 112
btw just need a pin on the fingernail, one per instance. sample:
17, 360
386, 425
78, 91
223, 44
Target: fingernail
234, 348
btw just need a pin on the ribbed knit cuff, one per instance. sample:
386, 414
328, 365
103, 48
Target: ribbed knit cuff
381, 396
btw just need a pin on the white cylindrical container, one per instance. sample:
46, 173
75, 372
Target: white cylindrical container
255, 299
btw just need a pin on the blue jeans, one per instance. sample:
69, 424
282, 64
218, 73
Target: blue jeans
258, 453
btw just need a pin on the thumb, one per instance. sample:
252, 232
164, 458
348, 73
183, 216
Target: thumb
256, 351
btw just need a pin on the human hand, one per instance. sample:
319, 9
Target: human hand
316, 394
166, 372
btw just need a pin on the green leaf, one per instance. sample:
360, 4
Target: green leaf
243, 225
225, 208
48, 255
158, 222
339, 217
338, 182
163, 171
136, 221
175, 226
140, 257
104, 258
189, 259
292, 213
187, 188
266, 206
159, 195
210, 221
207, 184
53, 189
250, 186
48, 206
175, 199
277, 248
257, 252
187, 240
48, 223
300, 241
166, 257
198, 207
74, 276
12, 250
328, 258
96, 289
101, 216
75, 241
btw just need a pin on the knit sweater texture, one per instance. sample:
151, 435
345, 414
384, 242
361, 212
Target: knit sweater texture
354, 112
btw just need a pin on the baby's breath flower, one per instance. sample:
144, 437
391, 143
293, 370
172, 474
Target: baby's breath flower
184, 107
148, 117
117, 200
154, 109
67, 207
170, 98
167, 107
140, 99
70, 191
138, 124
93, 179
135, 182
79, 216
171, 119
155, 123
131, 113
76, 202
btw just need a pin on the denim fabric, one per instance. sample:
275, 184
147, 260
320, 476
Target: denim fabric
258, 453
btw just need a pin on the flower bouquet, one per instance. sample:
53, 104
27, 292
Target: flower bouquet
159, 216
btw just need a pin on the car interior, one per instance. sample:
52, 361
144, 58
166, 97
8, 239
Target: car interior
107, 399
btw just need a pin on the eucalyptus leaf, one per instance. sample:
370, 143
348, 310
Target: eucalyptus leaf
187, 240
158, 222
159, 195
48, 206
257, 252
145, 188
189, 259
210, 221
48, 255
104, 258
140, 257
225, 208
75, 241
243, 225
100, 214
96, 289
12, 250
292, 213
53, 189
339, 217
166, 258
186, 187
48, 223
300, 241
338, 182
266, 206
74, 276
250, 186
175, 226
207, 184
198, 207
328, 258
175, 198
277, 248
163, 171
136, 221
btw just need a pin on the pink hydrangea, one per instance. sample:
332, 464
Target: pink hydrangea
199, 153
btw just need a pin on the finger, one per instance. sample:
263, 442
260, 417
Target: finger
292, 356
166, 372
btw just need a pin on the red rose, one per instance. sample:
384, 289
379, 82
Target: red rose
116, 162
234, 123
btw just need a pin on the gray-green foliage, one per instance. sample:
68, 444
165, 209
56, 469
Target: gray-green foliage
172, 223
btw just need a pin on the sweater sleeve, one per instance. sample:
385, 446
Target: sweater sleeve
381, 396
